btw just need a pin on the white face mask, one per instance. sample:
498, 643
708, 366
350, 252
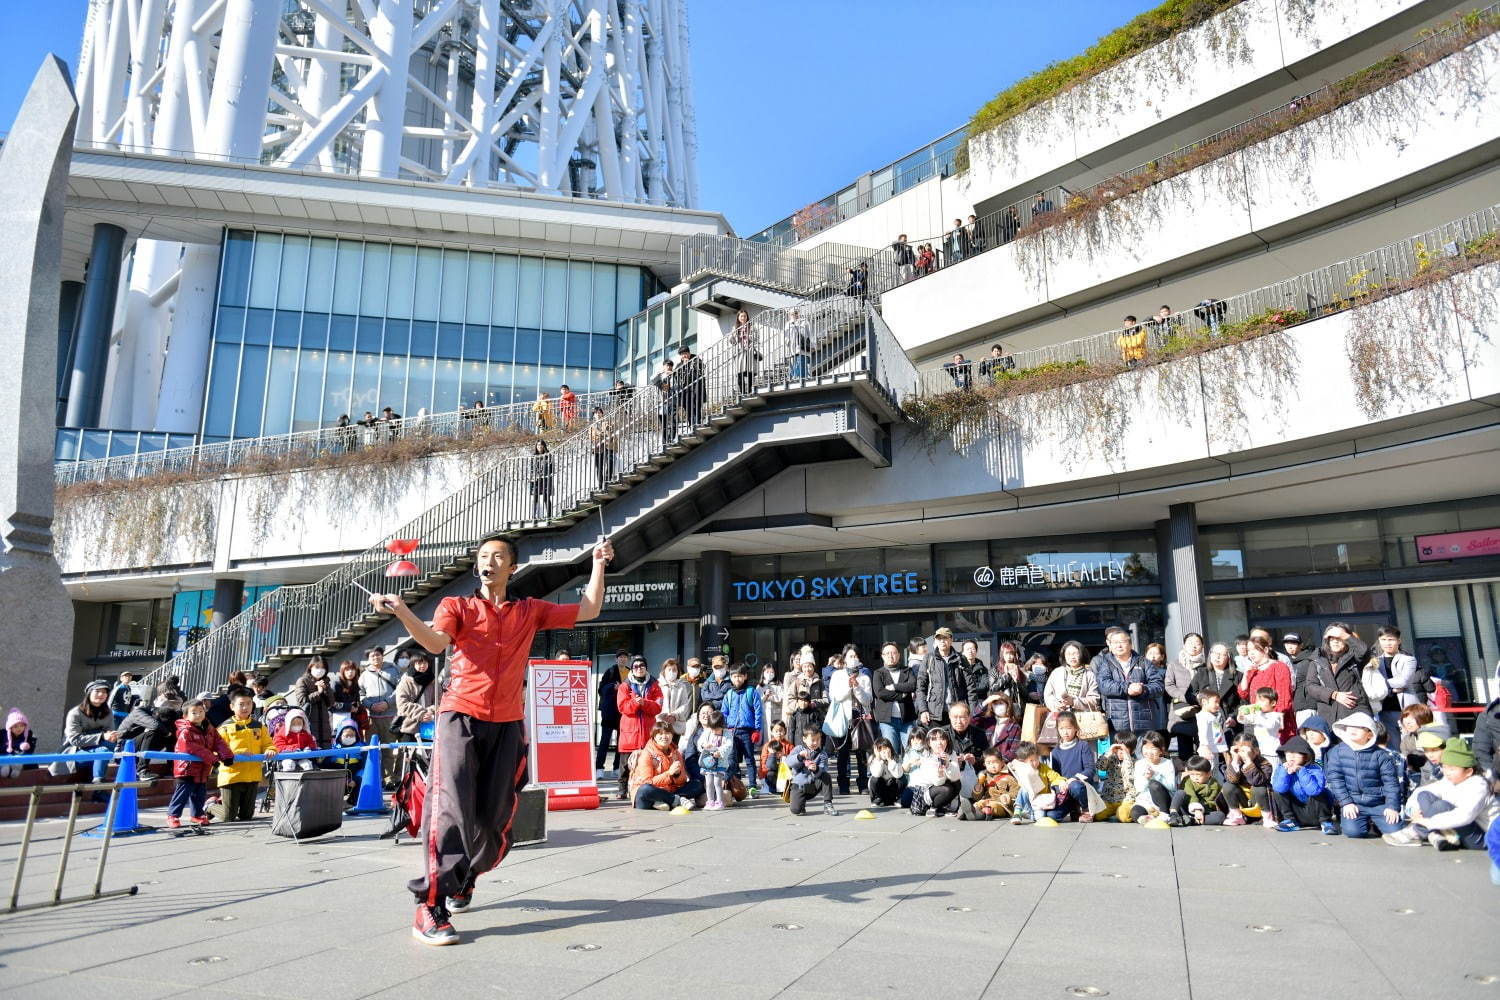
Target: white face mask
319, 672
694, 671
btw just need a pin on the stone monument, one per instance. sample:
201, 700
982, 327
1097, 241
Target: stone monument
36, 615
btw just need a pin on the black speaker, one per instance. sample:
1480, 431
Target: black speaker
530, 826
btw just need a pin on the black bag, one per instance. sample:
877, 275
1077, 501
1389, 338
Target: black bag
308, 803
862, 732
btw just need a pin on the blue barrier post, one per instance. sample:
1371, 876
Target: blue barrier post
370, 799
123, 819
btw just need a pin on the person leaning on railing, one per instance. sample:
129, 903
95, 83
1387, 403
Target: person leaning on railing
991, 368
961, 371
666, 406
1211, 312
1131, 342
799, 340
688, 377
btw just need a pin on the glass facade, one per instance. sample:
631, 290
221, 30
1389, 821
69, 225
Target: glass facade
79, 445
653, 335
310, 328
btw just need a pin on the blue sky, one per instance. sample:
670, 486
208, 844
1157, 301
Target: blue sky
793, 102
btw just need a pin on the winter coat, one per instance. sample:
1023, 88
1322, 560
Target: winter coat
1256, 774
151, 729
1308, 783
1301, 669
1277, 676
679, 700
639, 704
1201, 795
411, 700
1080, 758
713, 689
305, 695
1005, 738
817, 693
1087, 699
770, 702
652, 765
1487, 736
806, 764
999, 790
941, 682
203, 742
742, 709
123, 698
1227, 687
1179, 677
1367, 778
1131, 713
771, 756
244, 738
1325, 679
289, 742
376, 686
979, 679
83, 732
895, 691
1019, 692
11, 745
609, 697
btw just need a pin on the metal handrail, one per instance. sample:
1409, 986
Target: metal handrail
1314, 294
821, 338
812, 271
226, 456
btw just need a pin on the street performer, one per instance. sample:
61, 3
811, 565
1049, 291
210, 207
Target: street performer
479, 746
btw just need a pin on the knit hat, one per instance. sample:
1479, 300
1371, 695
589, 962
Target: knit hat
1356, 720
1456, 753
16, 715
1296, 745
89, 688
1429, 740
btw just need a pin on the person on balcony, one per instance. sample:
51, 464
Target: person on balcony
692, 387
1131, 342
1211, 312
799, 341
542, 470
926, 259
567, 406
344, 433
1010, 225
1041, 205
667, 405
602, 437
859, 276
746, 352
542, 411
392, 421
957, 240
961, 371
992, 367
1164, 324
976, 233
906, 261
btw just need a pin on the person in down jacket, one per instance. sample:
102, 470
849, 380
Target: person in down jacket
347, 735
1131, 686
1363, 779
202, 742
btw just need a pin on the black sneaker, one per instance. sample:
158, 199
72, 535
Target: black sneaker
431, 926
461, 902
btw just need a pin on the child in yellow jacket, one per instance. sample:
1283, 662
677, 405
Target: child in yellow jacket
995, 790
246, 736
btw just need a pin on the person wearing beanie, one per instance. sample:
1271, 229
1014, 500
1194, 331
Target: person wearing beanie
16, 740
90, 727
1299, 790
1363, 779
1453, 813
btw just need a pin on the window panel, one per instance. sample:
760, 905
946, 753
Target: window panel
528, 346
604, 299
578, 350
397, 336
280, 383
529, 302
604, 353
403, 276
341, 333
286, 329
234, 285
419, 386
320, 261
258, 326
393, 384
502, 345
450, 340
471, 382
336, 388
476, 343
265, 269
307, 413
230, 327
628, 292
250, 400
293, 288
503, 295
314, 331
554, 294
366, 396
423, 339
429, 283
219, 412
481, 276
375, 279
552, 347
370, 333
445, 388
580, 296
348, 263
453, 295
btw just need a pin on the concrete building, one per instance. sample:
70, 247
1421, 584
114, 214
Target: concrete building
1304, 436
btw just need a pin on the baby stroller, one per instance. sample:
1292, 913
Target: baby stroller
273, 715
411, 789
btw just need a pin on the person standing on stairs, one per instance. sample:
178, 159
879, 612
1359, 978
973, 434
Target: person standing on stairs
541, 482
479, 759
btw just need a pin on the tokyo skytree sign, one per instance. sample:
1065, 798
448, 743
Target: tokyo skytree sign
582, 98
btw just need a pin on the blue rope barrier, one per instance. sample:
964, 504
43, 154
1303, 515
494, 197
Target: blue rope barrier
93, 755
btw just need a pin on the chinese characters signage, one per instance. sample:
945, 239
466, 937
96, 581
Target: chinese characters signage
1073, 573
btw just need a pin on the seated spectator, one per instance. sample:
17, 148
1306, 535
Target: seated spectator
1196, 802
1117, 788
1430, 746
997, 364
17, 740
1155, 781
1132, 342
124, 696
1077, 762
965, 741
1040, 788
152, 726
961, 371
935, 780
1454, 812
809, 766
1006, 735
1299, 790
1363, 780
1414, 719
994, 794
1247, 784
90, 727
659, 772
1314, 729
295, 736
886, 775
772, 755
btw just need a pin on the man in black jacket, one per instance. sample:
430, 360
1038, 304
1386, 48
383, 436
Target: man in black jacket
687, 377
942, 680
152, 726
967, 741
1301, 659
609, 709
1487, 737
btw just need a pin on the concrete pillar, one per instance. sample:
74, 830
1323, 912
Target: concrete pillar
229, 598
713, 603
96, 315
1177, 571
67, 327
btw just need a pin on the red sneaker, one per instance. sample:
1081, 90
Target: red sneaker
431, 926
202, 820
173, 822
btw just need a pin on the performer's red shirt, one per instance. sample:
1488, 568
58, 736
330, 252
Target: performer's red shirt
487, 665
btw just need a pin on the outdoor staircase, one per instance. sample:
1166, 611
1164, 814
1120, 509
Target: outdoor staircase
322, 618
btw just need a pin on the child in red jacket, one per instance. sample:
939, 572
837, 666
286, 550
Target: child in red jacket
196, 737
293, 736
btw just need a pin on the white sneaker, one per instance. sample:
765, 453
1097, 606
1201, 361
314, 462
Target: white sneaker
663, 806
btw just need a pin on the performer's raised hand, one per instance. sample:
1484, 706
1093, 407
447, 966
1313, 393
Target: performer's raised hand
384, 602
604, 552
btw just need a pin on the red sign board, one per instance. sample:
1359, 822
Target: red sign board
560, 727
1458, 545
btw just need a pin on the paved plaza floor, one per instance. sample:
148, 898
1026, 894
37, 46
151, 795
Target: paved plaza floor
753, 902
